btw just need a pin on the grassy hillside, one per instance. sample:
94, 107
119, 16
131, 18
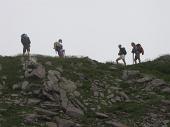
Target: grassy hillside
99, 87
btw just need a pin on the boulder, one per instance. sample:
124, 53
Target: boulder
35, 71
101, 115
67, 85
74, 112
54, 76
130, 74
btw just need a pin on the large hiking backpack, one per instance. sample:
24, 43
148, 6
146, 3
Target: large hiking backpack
25, 40
57, 46
139, 48
124, 51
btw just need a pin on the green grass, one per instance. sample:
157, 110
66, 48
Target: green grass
161, 69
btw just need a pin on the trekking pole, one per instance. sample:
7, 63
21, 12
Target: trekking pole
133, 58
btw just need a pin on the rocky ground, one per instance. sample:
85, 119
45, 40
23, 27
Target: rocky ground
79, 92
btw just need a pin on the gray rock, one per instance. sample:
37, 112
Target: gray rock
166, 102
41, 111
158, 82
64, 122
33, 101
124, 95
35, 70
16, 87
76, 94
101, 115
48, 63
51, 124
39, 72
166, 90
145, 79
54, 76
30, 119
67, 85
64, 99
130, 74
74, 112
25, 86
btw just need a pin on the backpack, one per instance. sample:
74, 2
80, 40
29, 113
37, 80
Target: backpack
139, 48
124, 51
57, 46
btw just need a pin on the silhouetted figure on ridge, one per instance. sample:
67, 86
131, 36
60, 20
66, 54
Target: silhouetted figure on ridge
59, 48
136, 51
26, 44
122, 53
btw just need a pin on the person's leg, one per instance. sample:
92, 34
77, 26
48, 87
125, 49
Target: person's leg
28, 51
124, 62
139, 59
24, 50
117, 60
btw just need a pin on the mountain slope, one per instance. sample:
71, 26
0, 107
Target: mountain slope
80, 92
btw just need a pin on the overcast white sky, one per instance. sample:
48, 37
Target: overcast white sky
91, 28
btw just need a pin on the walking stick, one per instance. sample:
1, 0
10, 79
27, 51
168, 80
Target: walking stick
133, 58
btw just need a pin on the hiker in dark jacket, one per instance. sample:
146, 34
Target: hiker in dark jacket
122, 53
26, 44
136, 51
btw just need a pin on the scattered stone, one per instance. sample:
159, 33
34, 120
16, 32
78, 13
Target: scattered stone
25, 86
158, 82
74, 112
16, 87
51, 124
64, 122
166, 102
101, 115
145, 79
41, 111
30, 119
33, 101
76, 94
166, 90
130, 74
64, 99
48, 63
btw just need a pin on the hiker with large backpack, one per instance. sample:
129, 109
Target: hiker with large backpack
25, 40
122, 53
59, 48
136, 51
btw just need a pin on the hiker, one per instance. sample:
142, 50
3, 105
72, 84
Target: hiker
59, 48
136, 51
26, 44
122, 53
